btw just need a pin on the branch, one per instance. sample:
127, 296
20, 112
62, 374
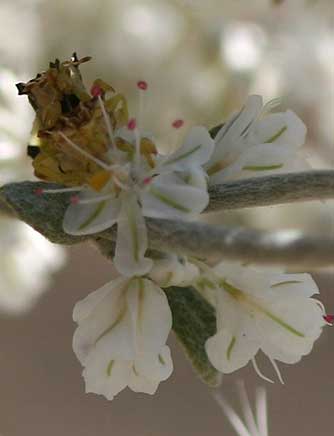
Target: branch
286, 247
273, 189
289, 247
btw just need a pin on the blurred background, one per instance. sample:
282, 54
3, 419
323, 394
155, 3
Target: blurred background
201, 60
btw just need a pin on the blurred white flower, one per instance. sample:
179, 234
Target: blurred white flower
254, 423
27, 258
242, 45
19, 34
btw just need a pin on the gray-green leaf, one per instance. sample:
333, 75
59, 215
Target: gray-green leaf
194, 321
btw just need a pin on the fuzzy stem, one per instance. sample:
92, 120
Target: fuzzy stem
273, 189
287, 247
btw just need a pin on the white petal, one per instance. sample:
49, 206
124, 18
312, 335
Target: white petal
104, 376
283, 128
139, 383
290, 328
170, 197
173, 271
152, 315
131, 243
104, 319
258, 160
155, 366
85, 219
85, 307
228, 352
229, 142
287, 285
198, 178
195, 151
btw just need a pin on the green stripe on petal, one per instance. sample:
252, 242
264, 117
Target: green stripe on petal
183, 156
141, 297
109, 367
287, 282
134, 234
283, 323
241, 296
161, 360
276, 135
120, 316
167, 200
262, 167
99, 208
230, 348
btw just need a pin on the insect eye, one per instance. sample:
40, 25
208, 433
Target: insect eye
33, 151
21, 88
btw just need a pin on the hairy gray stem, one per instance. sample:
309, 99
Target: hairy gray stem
291, 248
286, 247
273, 189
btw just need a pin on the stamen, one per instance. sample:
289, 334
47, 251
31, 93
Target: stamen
119, 183
96, 91
137, 144
83, 152
329, 319
147, 180
278, 372
41, 191
142, 87
132, 124
259, 373
107, 122
60, 190
177, 124
141, 84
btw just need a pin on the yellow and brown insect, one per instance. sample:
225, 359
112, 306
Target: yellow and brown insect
64, 107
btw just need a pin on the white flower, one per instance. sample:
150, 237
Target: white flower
253, 424
173, 187
268, 311
252, 143
173, 270
121, 337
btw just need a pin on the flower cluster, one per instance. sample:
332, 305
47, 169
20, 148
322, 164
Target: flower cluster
88, 143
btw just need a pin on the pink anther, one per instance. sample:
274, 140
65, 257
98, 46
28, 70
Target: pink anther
142, 85
177, 124
132, 124
96, 91
329, 319
147, 180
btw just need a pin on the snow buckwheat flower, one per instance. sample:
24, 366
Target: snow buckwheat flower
119, 175
259, 310
252, 142
121, 336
